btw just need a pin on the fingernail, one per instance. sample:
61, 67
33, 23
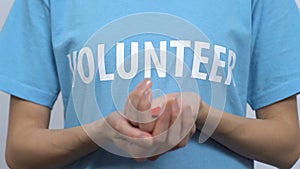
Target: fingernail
144, 84
155, 111
148, 83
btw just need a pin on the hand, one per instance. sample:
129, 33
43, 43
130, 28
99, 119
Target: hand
175, 124
117, 130
173, 129
143, 136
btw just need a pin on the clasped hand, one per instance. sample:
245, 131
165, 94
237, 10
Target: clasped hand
167, 126
149, 128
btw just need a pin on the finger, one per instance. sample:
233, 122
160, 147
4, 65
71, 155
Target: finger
186, 139
175, 126
162, 124
140, 159
134, 150
131, 108
145, 120
155, 112
139, 92
193, 131
188, 126
191, 99
153, 158
126, 131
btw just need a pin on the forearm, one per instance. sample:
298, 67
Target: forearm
44, 148
268, 141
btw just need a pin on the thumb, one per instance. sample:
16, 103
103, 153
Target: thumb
126, 131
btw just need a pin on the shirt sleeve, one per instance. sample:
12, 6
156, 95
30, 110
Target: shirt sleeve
27, 64
275, 61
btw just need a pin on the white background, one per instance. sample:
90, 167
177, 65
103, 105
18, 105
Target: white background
57, 113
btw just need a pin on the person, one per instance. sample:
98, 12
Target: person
247, 50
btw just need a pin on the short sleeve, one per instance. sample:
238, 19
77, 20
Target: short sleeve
275, 61
27, 64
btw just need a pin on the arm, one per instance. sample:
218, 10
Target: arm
30, 144
273, 138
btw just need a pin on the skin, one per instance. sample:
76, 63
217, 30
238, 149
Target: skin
272, 138
29, 136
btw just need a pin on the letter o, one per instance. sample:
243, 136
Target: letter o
91, 66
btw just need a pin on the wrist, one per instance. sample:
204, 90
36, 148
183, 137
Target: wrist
96, 133
202, 114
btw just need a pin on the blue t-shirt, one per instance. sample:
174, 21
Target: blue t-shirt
95, 52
